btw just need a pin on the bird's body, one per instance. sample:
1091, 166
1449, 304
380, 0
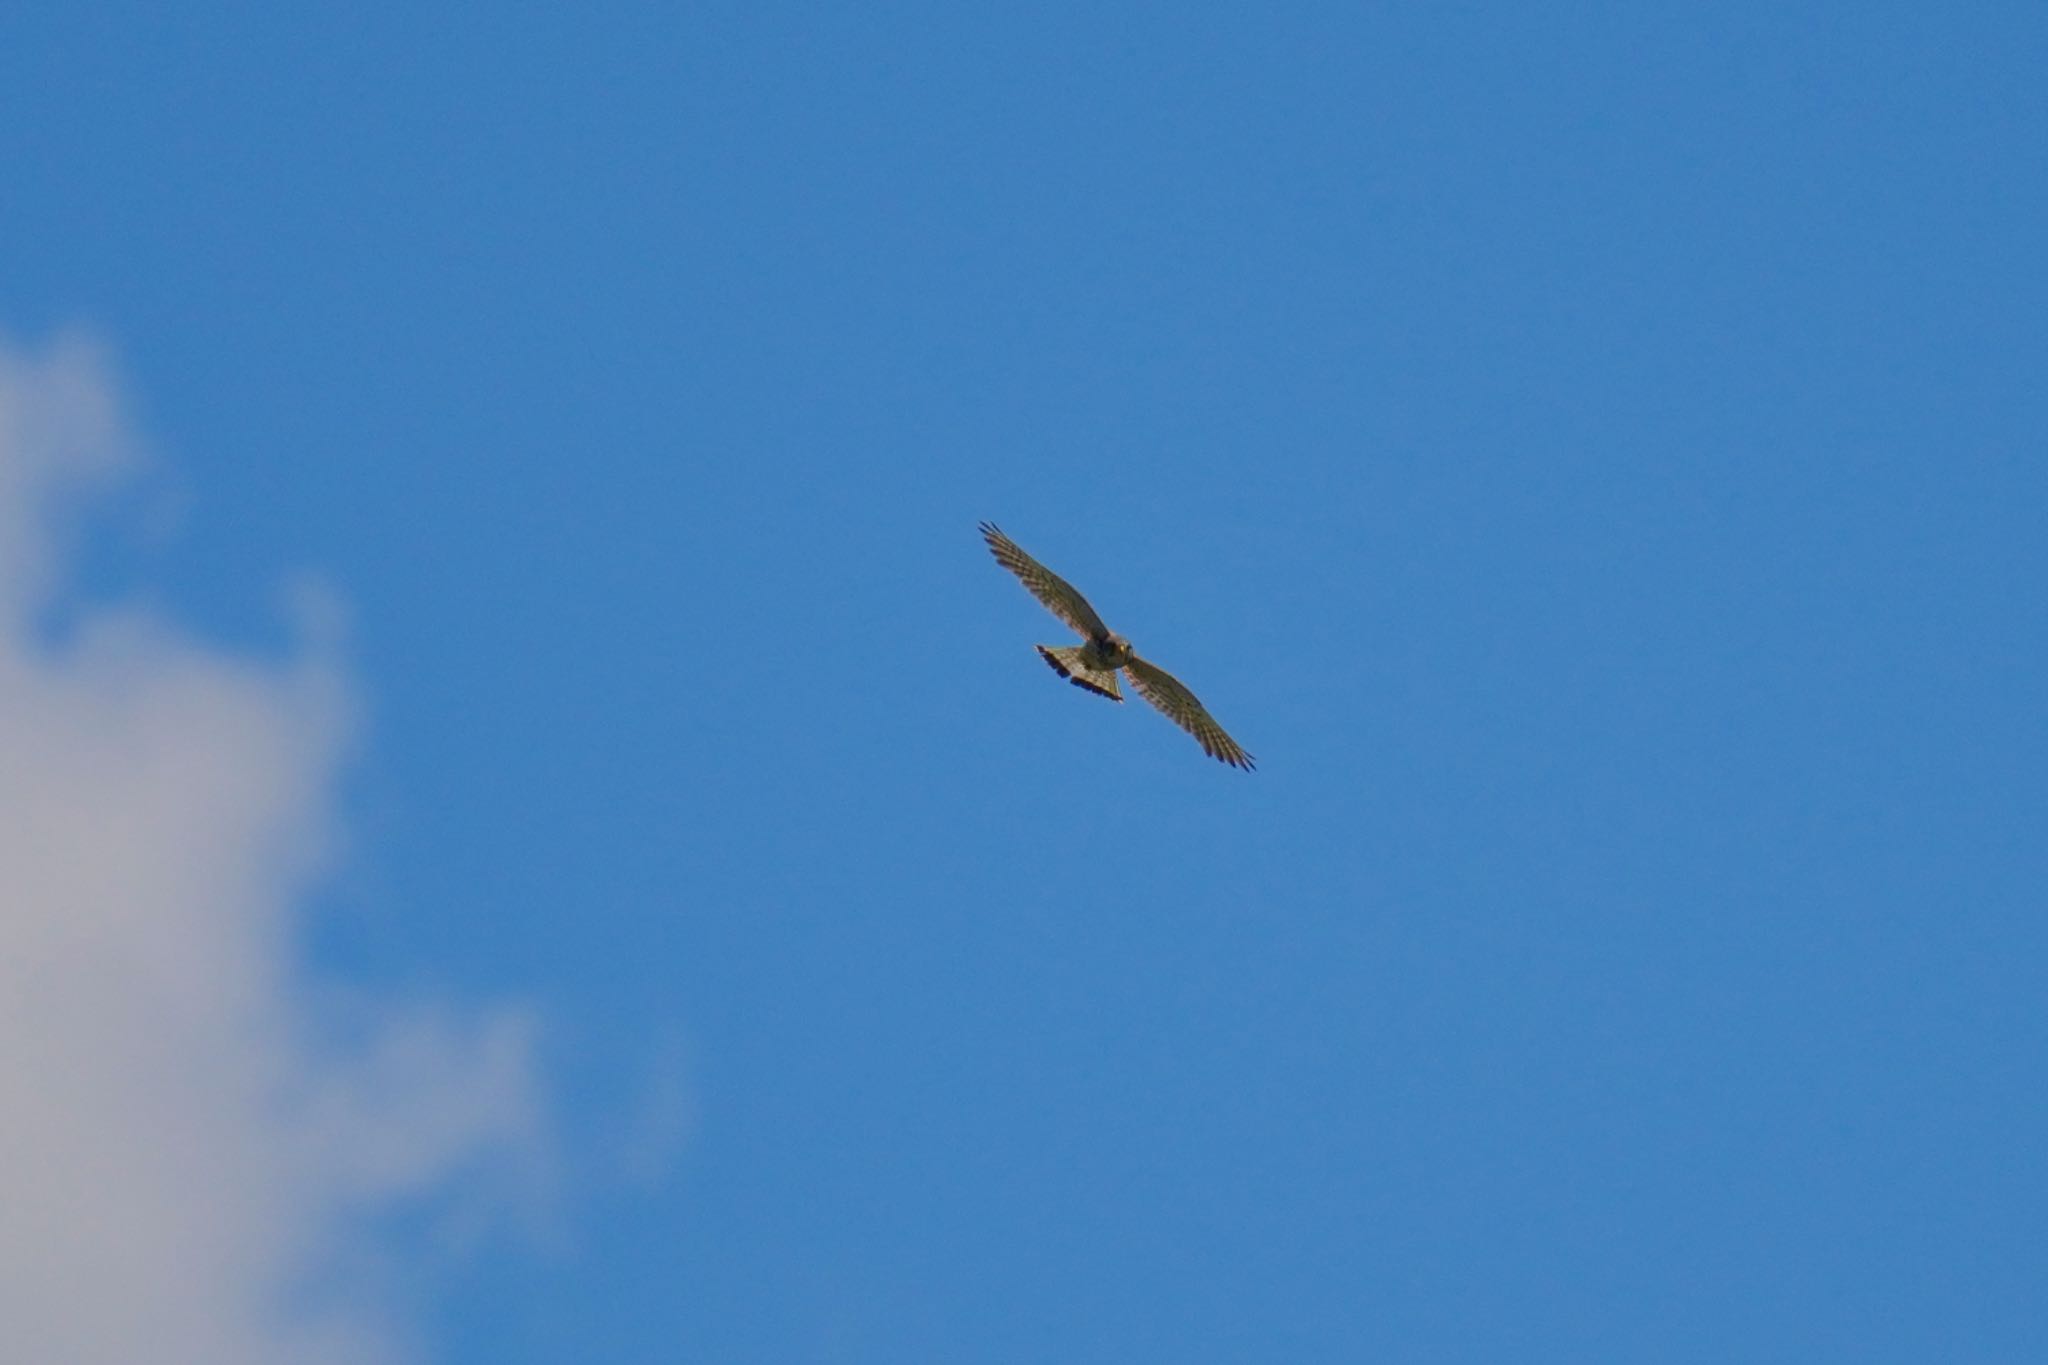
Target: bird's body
1111, 651
1095, 663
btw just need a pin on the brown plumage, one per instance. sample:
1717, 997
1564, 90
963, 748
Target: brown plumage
1093, 663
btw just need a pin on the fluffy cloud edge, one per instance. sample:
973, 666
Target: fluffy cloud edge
200, 1134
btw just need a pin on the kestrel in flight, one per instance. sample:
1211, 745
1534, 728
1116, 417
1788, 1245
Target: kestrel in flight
1094, 662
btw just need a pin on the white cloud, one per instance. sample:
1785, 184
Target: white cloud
188, 1159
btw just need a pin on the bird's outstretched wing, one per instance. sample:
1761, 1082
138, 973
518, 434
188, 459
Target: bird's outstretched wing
1178, 704
1048, 587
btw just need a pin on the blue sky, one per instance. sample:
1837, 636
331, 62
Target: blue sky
1593, 456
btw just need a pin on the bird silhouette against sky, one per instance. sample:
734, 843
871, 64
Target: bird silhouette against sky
1093, 664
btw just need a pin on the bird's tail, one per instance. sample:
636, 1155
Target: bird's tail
1070, 663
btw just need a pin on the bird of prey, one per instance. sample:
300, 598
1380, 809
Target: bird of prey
1094, 662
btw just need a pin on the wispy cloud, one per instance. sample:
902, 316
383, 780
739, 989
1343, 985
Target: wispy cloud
189, 1159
